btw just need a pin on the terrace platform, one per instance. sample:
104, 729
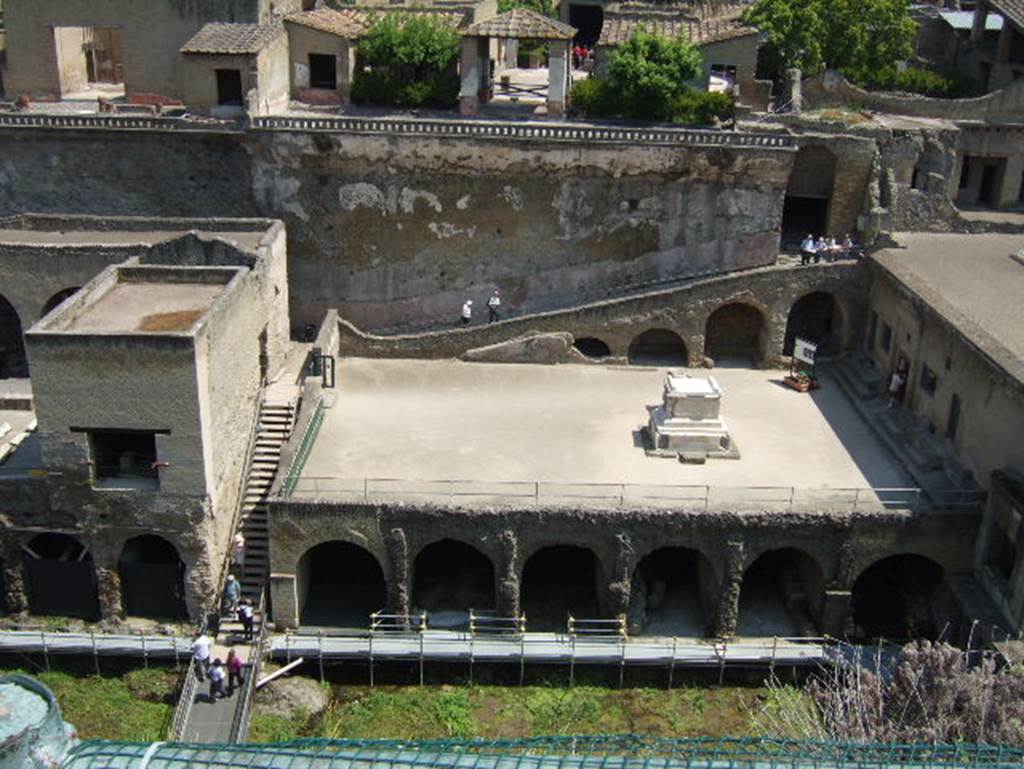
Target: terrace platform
576, 425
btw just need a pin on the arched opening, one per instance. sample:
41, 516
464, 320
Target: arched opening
781, 595
588, 19
673, 592
658, 347
734, 330
449, 578
56, 299
13, 363
152, 578
339, 584
592, 348
559, 581
814, 317
60, 577
808, 195
899, 597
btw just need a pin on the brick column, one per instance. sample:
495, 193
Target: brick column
284, 596
508, 575
398, 585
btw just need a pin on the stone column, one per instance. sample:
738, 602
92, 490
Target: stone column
16, 591
1009, 186
729, 594
109, 585
469, 68
978, 23
508, 575
558, 78
284, 596
622, 580
794, 90
398, 585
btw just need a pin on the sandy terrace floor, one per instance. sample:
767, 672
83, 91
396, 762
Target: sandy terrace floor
413, 419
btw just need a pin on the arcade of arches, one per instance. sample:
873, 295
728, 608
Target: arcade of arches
672, 591
152, 578
815, 317
735, 330
658, 347
60, 577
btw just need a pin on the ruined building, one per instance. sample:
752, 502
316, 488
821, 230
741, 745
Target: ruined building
247, 320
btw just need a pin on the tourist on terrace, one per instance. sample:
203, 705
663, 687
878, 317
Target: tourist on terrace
833, 250
201, 654
807, 249
238, 550
820, 249
467, 312
216, 680
848, 247
493, 305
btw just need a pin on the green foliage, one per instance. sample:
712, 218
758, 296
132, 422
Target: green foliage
649, 70
840, 34
407, 60
543, 7
917, 80
454, 713
647, 80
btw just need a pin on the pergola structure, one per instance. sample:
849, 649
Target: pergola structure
517, 24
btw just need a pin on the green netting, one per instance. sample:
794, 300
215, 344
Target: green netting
583, 752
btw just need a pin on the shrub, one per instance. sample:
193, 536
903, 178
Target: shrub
598, 98
916, 80
701, 107
411, 60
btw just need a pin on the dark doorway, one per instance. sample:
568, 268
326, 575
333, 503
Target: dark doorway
323, 71
672, 594
953, 420
3, 589
658, 347
734, 331
814, 317
588, 20
802, 217
987, 190
808, 195
229, 87
449, 578
13, 363
152, 578
339, 584
592, 348
781, 595
895, 598
559, 581
60, 577
54, 301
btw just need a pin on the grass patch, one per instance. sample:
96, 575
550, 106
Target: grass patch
431, 712
137, 705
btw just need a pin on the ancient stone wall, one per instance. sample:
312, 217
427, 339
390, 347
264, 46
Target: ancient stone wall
683, 310
841, 546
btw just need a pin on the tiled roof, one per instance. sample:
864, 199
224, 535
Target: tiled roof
618, 29
352, 23
219, 37
523, 24
349, 23
1011, 9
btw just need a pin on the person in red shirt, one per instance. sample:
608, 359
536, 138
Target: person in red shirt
234, 666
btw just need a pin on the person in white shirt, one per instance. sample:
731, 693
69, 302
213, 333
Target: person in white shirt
201, 654
238, 550
467, 312
820, 249
493, 305
807, 249
216, 680
833, 250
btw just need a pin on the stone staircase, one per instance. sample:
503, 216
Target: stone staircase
275, 425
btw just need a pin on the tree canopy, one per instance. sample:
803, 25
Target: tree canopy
649, 70
856, 36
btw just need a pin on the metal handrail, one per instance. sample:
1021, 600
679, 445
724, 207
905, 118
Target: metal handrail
700, 496
185, 701
304, 449
240, 724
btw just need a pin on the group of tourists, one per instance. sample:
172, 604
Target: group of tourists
812, 250
493, 309
217, 671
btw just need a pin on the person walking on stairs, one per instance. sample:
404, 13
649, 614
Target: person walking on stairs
216, 680
493, 307
234, 666
246, 614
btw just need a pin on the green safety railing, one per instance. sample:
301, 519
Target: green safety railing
626, 751
305, 446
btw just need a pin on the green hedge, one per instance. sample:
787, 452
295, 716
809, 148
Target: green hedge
596, 97
385, 87
917, 80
